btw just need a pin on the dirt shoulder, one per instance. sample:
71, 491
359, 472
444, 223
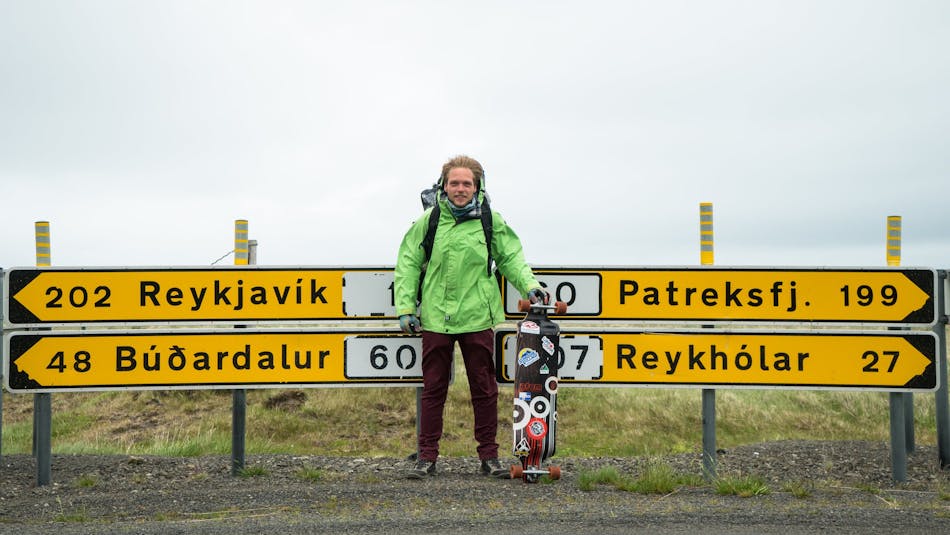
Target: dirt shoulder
835, 486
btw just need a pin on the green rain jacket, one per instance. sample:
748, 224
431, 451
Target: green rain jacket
458, 293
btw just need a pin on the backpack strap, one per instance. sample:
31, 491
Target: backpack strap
487, 229
429, 239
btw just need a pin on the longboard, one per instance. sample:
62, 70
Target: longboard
534, 422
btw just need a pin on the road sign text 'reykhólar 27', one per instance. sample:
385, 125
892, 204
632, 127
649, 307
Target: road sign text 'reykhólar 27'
229, 294
885, 295
61, 360
887, 360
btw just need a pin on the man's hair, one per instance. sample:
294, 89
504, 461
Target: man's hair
468, 163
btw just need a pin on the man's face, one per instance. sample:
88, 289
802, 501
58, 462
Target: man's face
460, 186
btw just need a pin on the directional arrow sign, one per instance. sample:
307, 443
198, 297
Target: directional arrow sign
889, 360
706, 294
69, 296
51, 361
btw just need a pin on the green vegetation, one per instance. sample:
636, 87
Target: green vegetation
657, 478
252, 471
743, 486
660, 478
799, 489
87, 481
310, 474
869, 488
607, 475
381, 421
64, 515
79, 515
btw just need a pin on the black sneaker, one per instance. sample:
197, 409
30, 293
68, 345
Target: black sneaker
491, 467
421, 469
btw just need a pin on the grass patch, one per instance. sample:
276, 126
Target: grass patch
660, 478
77, 515
311, 474
87, 481
252, 471
589, 479
657, 478
742, 486
799, 489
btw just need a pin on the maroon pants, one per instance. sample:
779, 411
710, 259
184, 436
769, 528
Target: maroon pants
478, 354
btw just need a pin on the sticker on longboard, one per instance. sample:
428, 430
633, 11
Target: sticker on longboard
536, 429
550, 385
540, 407
528, 356
520, 415
522, 448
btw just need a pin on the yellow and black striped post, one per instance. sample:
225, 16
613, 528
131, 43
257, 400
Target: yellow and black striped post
43, 257
901, 403
709, 395
42, 403
239, 395
893, 240
706, 233
240, 242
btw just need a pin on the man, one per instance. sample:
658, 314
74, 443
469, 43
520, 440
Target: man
460, 302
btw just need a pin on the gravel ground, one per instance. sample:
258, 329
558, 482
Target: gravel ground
849, 489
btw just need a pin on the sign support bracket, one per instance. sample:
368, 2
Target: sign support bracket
940, 397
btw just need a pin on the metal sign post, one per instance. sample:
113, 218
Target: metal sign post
243, 254
901, 405
43, 402
706, 257
941, 397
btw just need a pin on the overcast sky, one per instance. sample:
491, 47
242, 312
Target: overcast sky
141, 130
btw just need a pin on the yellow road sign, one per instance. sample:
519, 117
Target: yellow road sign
64, 296
715, 294
57, 360
889, 360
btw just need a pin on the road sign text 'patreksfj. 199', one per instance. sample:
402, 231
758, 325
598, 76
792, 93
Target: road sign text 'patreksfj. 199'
74, 296
894, 296
49, 361
822, 359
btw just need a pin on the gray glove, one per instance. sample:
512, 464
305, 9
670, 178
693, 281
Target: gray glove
539, 295
409, 323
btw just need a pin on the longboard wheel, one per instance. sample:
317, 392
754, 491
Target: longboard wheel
524, 305
560, 307
515, 471
554, 472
